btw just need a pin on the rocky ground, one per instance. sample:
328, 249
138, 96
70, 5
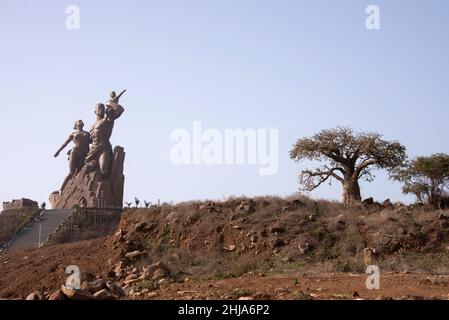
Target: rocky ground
262, 248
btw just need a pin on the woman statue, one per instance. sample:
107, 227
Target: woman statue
77, 155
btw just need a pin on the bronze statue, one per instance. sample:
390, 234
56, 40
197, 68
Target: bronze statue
78, 153
100, 154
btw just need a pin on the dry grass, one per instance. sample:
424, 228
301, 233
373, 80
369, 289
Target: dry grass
192, 236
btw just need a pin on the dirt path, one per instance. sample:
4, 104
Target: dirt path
26, 271
22, 272
329, 286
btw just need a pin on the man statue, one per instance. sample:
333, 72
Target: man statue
100, 154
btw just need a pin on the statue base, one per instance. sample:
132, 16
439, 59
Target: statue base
88, 189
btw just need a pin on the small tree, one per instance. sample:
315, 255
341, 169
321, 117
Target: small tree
136, 201
425, 177
347, 157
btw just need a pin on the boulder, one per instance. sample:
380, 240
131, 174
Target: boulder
58, 295
93, 286
276, 243
160, 274
116, 289
158, 265
104, 294
229, 248
36, 295
387, 203
368, 201
74, 294
134, 254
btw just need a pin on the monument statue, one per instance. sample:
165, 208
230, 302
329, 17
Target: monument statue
96, 172
78, 153
100, 154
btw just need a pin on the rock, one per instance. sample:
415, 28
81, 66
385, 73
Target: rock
58, 295
73, 294
246, 298
134, 254
116, 289
341, 219
383, 298
304, 248
153, 267
93, 286
277, 229
140, 226
146, 274
230, 248
276, 243
368, 201
104, 294
160, 274
387, 203
245, 207
297, 204
36, 295
132, 276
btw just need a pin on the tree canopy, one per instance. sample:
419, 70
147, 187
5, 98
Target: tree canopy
425, 177
347, 156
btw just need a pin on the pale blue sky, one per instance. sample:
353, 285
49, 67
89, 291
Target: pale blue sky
298, 66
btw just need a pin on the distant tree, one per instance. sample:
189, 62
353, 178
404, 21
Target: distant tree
147, 204
347, 157
128, 204
137, 202
425, 177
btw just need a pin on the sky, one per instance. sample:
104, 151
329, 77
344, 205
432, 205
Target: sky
296, 66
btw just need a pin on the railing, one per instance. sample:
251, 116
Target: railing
87, 223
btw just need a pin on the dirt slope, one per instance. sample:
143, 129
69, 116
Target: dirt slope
266, 248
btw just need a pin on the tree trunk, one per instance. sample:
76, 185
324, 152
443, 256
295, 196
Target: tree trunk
351, 192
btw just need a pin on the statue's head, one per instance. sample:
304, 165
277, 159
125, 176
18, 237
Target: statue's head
113, 95
100, 110
79, 125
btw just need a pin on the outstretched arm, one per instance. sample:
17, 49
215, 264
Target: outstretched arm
118, 97
114, 110
64, 145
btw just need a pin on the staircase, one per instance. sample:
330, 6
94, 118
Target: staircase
37, 232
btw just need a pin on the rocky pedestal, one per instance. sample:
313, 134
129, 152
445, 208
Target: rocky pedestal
87, 188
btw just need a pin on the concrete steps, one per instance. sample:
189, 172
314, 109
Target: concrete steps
37, 232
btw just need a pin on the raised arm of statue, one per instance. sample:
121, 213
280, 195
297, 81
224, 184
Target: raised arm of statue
64, 145
114, 110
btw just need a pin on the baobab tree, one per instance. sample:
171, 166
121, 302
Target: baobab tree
347, 157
